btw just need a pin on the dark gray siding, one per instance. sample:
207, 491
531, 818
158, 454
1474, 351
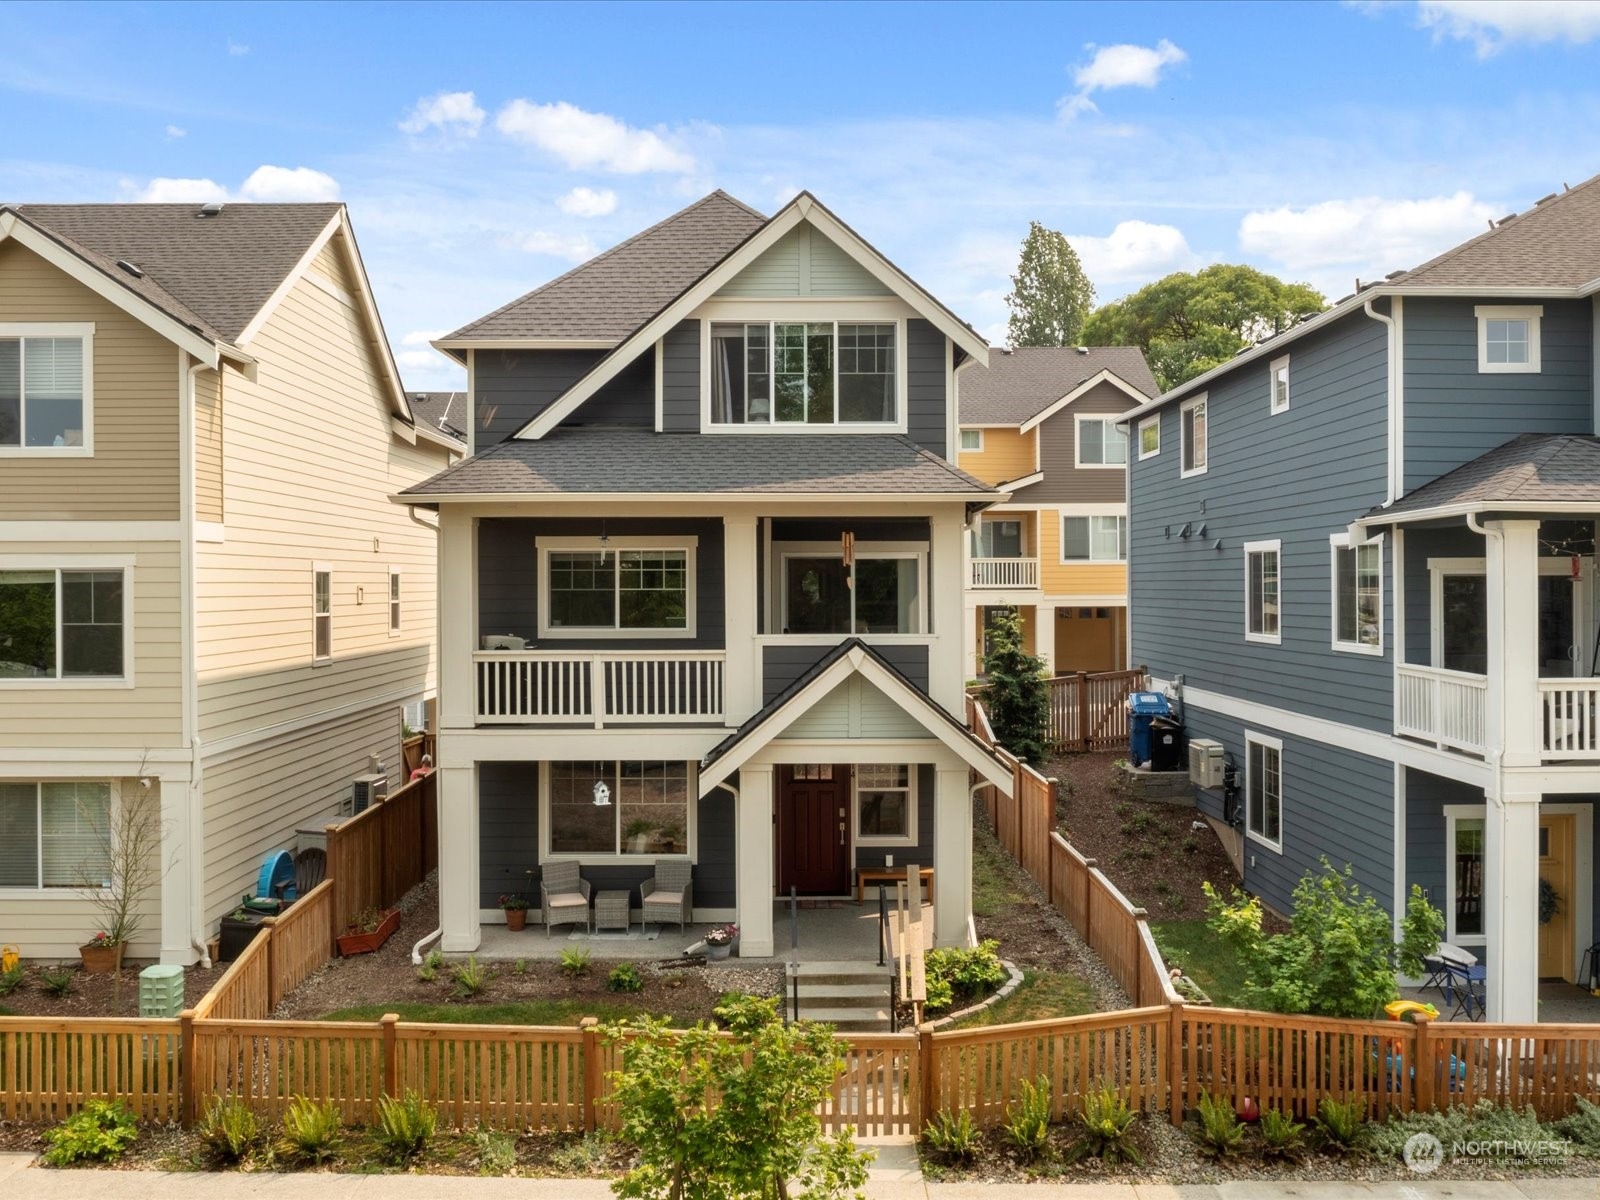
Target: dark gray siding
511, 387
508, 582
782, 665
1453, 413
925, 385
1058, 438
1298, 476
922, 852
680, 378
629, 399
1426, 860
714, 875
866, 529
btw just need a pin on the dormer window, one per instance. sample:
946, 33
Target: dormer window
777, 373
1508, 338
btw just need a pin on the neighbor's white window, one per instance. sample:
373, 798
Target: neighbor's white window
1150, 436
886, 804
46, 389
1094, 539
58, 623
1264, 789
609, 808
637, 586
813, 373
394, 601
880, 593
1262, 583
1280, 383
1101, 442
1357, 595
1508, 338
321, 612
54, 835
1193, 433
972, 439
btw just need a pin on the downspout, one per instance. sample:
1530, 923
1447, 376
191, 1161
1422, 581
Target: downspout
1395, 392
190, 700
411, 511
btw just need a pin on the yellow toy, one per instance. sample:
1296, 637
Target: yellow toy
9, 958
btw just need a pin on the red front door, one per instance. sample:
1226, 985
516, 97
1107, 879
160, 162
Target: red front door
813, 831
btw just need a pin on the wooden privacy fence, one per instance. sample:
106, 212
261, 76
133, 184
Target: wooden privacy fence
276, 961
378, 855
1090, 712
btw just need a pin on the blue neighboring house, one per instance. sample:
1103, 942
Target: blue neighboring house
1363, 558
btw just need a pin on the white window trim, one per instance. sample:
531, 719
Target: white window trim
50, 330
1452, 814
394, 605
787, 550
1252, 738
965, 449
1281, 363
1078, 422
910, 837
1274, 546
691, 826
123, 563
690, 545
1336, 543
1532, 314
1091, 560
70, 891
1183, 437
1152, 421
322, 659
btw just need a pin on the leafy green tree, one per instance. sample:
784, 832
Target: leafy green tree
1017, 694
732, 1116
1050, 295
1189, 322
1339, 958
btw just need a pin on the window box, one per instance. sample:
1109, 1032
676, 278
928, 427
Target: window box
357, 942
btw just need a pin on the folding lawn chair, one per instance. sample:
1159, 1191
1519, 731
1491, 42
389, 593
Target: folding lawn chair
1464, 990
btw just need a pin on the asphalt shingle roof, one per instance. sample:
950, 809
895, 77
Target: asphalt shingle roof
444, 411
1529, 469
614, 293
598, 460
1021, 383
213, 274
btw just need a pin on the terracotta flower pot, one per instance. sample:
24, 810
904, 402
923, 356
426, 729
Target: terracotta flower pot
516, 918
101, 960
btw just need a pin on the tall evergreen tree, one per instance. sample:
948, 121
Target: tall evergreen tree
1018, 691
1050, 296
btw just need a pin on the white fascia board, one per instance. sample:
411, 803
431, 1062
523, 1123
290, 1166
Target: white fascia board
286, 285
758, 498
1412, 516
1105, 375
522, 343
369, 308
1023, 481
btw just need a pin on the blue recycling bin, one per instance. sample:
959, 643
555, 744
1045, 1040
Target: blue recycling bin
1143, 709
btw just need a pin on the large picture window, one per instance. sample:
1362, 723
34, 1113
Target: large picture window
622, 808
811, 373
886, 804
1262, 583
884, 595
642, 589
53, 835
1264, 790
1094, 539
61, 624
44, 393
1358, 596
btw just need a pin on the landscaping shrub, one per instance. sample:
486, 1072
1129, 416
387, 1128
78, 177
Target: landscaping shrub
958, 976
743, 1013
312, 1131
11, 980
953, 1136
1495, 1129
1281, 1135
574, 962
1582, 1128
405, 1127
58, 983
1106, 1121
470, 978
625, 977
1017, 690
429, 970
1028, 1120
101, 1131
520, 967
497, 1152
228, 1130
1339, 1122
1221, 1132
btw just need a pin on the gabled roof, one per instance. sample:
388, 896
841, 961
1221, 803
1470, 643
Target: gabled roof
611, 295
1527, 473
850, 657
595, 461
1021, 383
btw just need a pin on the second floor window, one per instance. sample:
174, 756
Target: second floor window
1261, 583
1358, 597
61, 624
1193, 428
812, 373
1508, 338
997, 539
878, 594
394, 601
1094, 539
639, 590
43, 401
1150, 436
321, 613
1101, 443
972, 439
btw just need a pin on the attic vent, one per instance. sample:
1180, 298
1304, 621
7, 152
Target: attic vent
1083, 349
130, 268
1545, 200
1507, 219
211, 208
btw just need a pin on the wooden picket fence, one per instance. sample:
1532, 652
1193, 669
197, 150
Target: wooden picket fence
1090, 712
377, 856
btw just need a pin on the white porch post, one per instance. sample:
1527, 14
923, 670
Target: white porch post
947, 560
753, 850
1044, 635
741, 696
1511, 567
952, 855
177, 872
458, 618
459, 867
1511, 857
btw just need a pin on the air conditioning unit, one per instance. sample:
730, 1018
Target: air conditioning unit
1205, 763
365, 789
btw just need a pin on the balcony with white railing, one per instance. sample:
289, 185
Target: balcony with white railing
1446, 708
1571, 717
1005, 572
563, 687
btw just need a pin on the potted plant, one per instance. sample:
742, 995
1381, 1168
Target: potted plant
369, 930
102, 954
719, 942
122, 869
516, 910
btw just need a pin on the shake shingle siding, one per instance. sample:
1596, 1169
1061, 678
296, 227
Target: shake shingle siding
680, 378
926, 393
1296, 476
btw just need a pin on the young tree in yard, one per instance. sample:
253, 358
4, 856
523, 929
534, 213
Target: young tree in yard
1339, 957
1017, 694
1050, 295
126, 857
732, 1116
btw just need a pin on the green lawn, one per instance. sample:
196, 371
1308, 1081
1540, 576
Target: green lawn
1204, 957
992, 890
527, 1012
1043, 995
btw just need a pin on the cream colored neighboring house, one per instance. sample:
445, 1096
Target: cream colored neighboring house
200, 423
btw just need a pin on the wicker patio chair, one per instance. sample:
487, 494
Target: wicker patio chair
564, 896
669, 894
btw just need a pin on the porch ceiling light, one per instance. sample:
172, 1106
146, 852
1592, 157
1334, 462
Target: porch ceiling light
602, 794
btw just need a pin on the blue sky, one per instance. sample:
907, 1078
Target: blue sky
485, 149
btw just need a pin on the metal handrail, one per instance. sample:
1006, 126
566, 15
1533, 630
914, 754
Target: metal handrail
794, 952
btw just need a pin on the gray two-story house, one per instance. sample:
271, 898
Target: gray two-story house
702, 577
1363, 557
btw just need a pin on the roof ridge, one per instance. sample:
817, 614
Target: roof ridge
1440, 259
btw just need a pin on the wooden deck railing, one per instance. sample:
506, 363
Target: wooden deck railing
530, 687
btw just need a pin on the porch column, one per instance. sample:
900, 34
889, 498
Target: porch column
177, 874
1511, 569
753, 850
1044, 635
1511, 917
459, 886
740, 694
458, 618
952, 856
947, 560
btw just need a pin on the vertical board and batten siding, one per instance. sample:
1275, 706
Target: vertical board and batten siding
856, 709
1454, 412
783, 663
927, 398
1007, 454
803, 262
680, 378
1064, 482
310, 437
1296, 476
509, 591
208, 435
133, 472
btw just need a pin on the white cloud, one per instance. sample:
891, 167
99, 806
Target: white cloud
1118, 67
422, 337
175, 132
181, 191
456, 112
282, 184
587, 140
1367, 232
587, 202
1133, 251
1490, 24
237, 49
575, 247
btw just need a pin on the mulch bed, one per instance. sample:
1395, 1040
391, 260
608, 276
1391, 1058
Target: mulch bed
97, 995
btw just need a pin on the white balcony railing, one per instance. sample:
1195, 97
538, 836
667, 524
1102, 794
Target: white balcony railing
532, 687
1005, 572
1447, 708
1571, 706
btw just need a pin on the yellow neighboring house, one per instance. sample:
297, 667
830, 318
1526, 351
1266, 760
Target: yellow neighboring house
1040, 422
206, 596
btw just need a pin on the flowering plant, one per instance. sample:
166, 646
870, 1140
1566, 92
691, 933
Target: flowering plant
513, 902
722, 935
102, 938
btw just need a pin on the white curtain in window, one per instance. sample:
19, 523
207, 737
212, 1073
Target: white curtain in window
53, 368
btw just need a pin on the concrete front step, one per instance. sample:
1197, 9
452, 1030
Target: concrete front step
852, 996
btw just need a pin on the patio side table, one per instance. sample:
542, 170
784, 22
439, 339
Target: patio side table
611, 910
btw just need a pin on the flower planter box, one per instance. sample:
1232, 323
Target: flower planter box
101, 960
365, 943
